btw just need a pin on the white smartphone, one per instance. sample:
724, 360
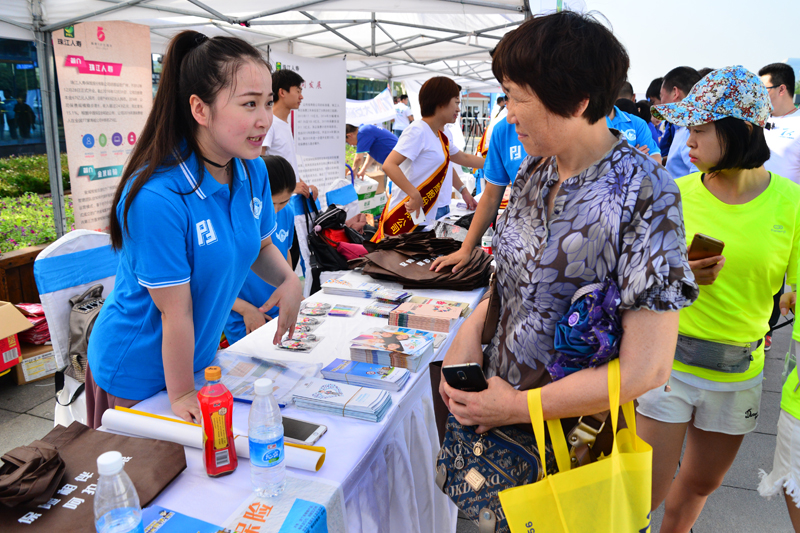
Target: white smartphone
302, 432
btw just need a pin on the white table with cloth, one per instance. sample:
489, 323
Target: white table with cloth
385, 470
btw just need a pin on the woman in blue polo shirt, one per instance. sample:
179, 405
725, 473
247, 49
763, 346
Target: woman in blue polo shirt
246, 317
192, 215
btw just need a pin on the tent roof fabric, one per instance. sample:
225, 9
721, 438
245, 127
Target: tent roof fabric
405, 39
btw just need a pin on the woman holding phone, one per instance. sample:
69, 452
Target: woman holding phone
713, 396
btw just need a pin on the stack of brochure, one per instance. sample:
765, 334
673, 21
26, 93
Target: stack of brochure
379, 309
367, 375
430, 317
343, 287
394, 296
341, 399
393, 346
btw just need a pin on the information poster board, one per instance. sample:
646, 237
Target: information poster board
105, 80
319, 124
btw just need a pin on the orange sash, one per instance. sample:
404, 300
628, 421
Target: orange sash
483, 147
398, 220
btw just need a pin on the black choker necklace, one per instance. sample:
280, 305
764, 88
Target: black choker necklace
210, 162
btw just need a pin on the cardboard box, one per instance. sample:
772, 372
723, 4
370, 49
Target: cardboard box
11, 323
38, 362
380, 178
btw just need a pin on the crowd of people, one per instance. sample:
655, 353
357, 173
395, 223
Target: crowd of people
603, 187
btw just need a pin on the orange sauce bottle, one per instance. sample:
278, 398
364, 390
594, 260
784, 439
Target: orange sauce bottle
216, 406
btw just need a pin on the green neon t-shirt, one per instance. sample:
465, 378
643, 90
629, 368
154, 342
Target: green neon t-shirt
762, 239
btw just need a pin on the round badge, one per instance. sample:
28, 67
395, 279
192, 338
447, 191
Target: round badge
304, 337
316, 305
573, 318
309, 321
302, 329
313, 312
294, 345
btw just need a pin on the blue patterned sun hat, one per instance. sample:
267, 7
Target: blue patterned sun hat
726, 92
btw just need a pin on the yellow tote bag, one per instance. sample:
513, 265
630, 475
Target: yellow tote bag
611, 495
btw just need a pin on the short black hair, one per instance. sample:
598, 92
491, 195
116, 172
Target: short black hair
626, 91
285, 79
500, 100
684, 78
643, 106
627, 105
705, 71
743, 147
349, 128
280, 174
564, 58
403, 97
780, 74
654, 89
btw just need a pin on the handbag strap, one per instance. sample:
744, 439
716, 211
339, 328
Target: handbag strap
557, 438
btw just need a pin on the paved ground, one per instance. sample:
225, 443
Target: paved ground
26, 414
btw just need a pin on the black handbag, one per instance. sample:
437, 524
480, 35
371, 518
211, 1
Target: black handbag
472, 469
323, 256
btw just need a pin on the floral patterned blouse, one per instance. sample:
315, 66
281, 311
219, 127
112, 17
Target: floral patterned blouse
621, 217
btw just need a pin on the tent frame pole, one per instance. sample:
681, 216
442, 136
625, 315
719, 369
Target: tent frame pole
44, 53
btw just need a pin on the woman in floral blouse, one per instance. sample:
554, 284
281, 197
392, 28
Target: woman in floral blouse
585, 206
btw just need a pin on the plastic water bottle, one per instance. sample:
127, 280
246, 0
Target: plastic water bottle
265, 434
486, 240
116, 504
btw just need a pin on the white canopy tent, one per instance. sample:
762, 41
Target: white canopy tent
405, 39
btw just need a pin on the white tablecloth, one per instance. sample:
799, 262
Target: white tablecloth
385, 470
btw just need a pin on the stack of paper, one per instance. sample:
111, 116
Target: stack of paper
341, 399
430, 317
367, 374
392, 346
343, 287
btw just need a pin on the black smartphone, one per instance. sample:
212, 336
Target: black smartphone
468, 377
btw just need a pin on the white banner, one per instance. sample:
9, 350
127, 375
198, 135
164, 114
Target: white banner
105, 75
379, 109
319, 124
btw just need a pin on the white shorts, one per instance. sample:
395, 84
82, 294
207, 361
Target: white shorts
786, 464
731, 413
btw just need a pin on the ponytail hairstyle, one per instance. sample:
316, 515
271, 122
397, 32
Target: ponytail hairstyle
193, 65
281, 174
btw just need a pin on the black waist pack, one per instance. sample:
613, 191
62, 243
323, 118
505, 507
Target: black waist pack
729, 358
472, 469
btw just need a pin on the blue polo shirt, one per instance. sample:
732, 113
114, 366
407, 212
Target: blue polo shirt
634, 129
206, 237
255, 290
378, 142
505, 155
678, 163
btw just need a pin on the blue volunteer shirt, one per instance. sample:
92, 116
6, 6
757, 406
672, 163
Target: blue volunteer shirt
634, 129
376, 141
255, 290
678, 163
207, 238
505, 155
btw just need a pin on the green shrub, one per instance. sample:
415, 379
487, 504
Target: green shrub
27, 220
23, 174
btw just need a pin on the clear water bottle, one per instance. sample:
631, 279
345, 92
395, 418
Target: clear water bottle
486, 240
265, 434
116, 504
